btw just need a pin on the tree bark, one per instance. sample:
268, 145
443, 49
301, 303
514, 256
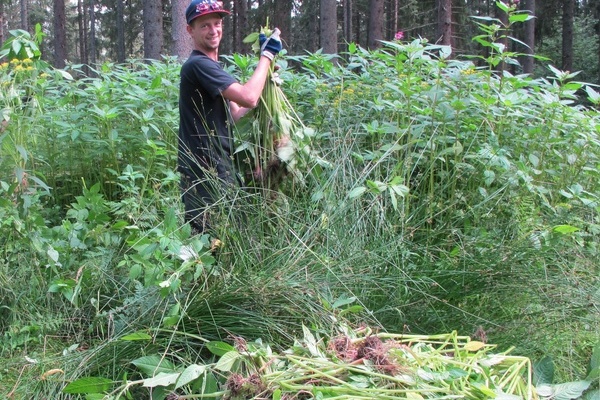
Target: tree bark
241, 24
347, 21
24, 15
282, 17
120, 22
444, 25
60, 34
92, 37
182, 43
2, 18
153, 29
375, 27
567, 34
528, 61
328, 25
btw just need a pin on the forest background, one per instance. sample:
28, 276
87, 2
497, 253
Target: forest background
92, 31
450, 190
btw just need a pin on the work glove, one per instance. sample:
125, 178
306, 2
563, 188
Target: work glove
270, 46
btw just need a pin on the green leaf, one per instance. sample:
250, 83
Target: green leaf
219, 348
565, 229
595, 360
153, 364
570, 390
543, 371
137, 336
514, 18
88, 385
161, 379
227, 361
251, 38
343, 301
190, 374
357, 192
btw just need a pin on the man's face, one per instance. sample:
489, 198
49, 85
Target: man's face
206, 32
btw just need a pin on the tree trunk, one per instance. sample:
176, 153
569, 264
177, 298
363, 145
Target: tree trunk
567, 34
92, 37
282, 17
528, 61
444, 25
347, 21
182, 43
60, 34
120, 31
2, 18
328, 25
375, 27
24, 15
153, 29
83, 40
241, 24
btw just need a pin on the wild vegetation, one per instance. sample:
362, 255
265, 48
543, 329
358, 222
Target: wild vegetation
444, 198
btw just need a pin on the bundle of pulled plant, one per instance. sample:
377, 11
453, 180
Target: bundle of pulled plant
277, 142
362, 364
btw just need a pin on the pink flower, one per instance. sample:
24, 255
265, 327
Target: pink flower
399, 35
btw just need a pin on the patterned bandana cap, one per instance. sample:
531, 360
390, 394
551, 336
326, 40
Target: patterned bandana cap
198, 8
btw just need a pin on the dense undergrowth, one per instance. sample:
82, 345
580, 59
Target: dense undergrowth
446, 198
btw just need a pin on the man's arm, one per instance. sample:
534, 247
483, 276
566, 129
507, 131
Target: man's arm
247, 95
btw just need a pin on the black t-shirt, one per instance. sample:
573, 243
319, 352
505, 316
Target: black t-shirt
205, 134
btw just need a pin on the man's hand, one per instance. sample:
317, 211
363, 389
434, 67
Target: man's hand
270, 46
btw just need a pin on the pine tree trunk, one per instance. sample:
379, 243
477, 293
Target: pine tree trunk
444, 26
375, 29
120, 32
567, 34
347, 31
24, 15
182, 43
328, 25
528, 61
92, 37
153, 29
60, 35
2, 18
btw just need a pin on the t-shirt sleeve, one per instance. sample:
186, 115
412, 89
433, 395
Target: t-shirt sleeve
211, 76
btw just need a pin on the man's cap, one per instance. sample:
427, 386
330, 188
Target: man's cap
198, 8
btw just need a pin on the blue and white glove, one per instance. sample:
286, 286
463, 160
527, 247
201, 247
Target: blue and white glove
270, 46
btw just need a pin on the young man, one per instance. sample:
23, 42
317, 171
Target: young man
210, 101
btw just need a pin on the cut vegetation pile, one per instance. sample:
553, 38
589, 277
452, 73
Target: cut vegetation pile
354, 364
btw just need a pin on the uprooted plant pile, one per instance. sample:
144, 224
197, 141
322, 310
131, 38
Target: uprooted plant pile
353, 364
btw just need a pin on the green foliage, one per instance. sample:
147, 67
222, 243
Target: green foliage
441, 191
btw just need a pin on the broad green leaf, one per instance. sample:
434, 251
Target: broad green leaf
154, 364
88, 385
227, 361
570, 390
310, 342
251, 38
343, 301
543, 371
357, 192
219, 348
161, 379
592, 395
519, 18
190, 374
136, 336
595, 360
565, 229
474, 345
